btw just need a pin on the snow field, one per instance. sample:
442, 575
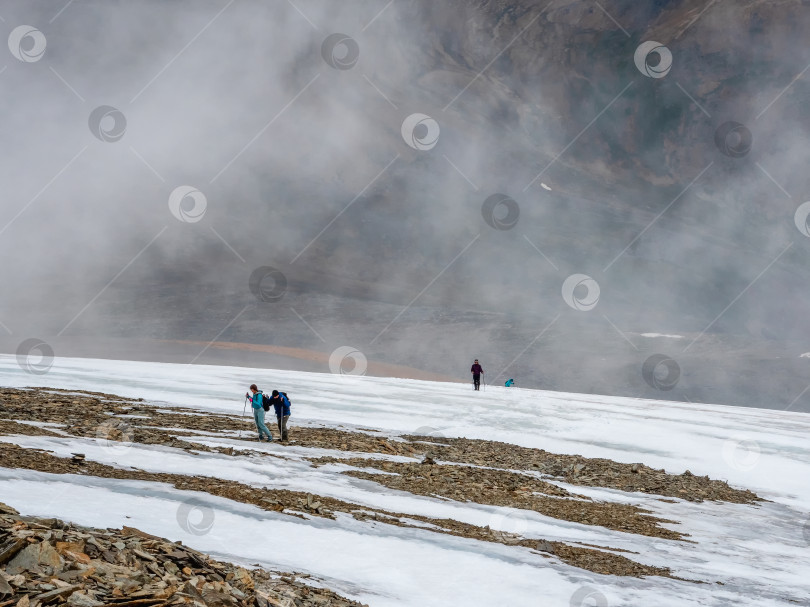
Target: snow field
759, 552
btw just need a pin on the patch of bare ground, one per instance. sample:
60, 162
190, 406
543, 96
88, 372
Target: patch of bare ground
573, 469
502, 488
594, 558
300, 504
490, 472
592, 472
109, 417
90, 415
93, 409
11, 427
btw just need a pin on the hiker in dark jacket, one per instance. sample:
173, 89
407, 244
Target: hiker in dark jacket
258, 412
282, 406
477, 371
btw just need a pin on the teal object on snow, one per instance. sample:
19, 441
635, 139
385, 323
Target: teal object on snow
509, 383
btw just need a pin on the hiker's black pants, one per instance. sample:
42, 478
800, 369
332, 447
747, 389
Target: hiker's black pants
282, 425
477, 381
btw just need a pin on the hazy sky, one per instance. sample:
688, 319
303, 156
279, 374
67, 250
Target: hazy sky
425, 175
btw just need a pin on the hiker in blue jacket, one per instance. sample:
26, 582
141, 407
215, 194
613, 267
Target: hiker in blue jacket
282, 406
258, 412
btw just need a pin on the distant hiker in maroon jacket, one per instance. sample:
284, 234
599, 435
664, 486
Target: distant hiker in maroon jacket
477, 371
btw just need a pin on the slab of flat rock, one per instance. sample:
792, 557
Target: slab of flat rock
49, 556
5, 587
80, 599
10, 549
32, 557
26, 560
46, 597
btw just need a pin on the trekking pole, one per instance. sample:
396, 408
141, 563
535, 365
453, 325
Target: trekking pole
244, 408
